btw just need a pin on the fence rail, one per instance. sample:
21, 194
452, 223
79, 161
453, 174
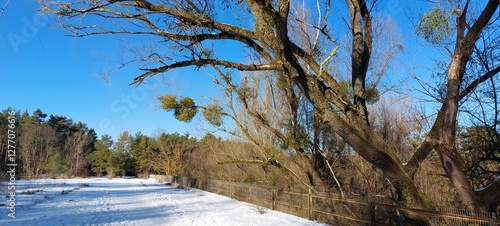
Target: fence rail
331, 209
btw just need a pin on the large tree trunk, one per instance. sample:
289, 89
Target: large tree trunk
451, 160
362, 39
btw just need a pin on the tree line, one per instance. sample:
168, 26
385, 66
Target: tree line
48, 144
56, 146
59, 147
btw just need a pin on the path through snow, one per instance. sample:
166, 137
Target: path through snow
99, 201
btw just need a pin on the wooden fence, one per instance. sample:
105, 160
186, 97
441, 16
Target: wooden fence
331, 209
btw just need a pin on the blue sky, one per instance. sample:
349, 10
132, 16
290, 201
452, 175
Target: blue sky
43, 68
61, 75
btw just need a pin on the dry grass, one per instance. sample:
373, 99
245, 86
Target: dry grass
260, 209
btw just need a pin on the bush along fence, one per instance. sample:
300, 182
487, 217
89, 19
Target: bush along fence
331, 209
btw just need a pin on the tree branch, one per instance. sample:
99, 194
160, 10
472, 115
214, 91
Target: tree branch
2, 10
272, 162
420, 155
246, 161
203, 62
490, 195
481, 22
478, 81
193, 19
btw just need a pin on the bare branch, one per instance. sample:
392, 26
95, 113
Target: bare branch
2, 10
251, 161
269, 162
322, 31
481, 22
203, 62
193, 19
478, 81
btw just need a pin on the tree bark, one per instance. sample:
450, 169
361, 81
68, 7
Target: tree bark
362, 38
450, 159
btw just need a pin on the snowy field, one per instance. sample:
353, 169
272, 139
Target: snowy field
99, 201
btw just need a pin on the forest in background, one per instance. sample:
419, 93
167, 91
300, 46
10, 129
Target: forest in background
60, 148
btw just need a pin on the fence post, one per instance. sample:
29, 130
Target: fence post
309, 204
249, 193
273, 205
371, 211
231, 191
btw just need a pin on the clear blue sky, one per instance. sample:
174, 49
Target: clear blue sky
43, 68
61, 75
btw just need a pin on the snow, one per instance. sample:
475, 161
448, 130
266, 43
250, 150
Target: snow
100, 201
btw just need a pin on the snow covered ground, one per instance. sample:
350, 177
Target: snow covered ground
100, 201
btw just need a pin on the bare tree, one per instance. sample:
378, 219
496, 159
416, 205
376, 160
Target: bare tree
191, 31
37, 143
76, 146
170, 155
